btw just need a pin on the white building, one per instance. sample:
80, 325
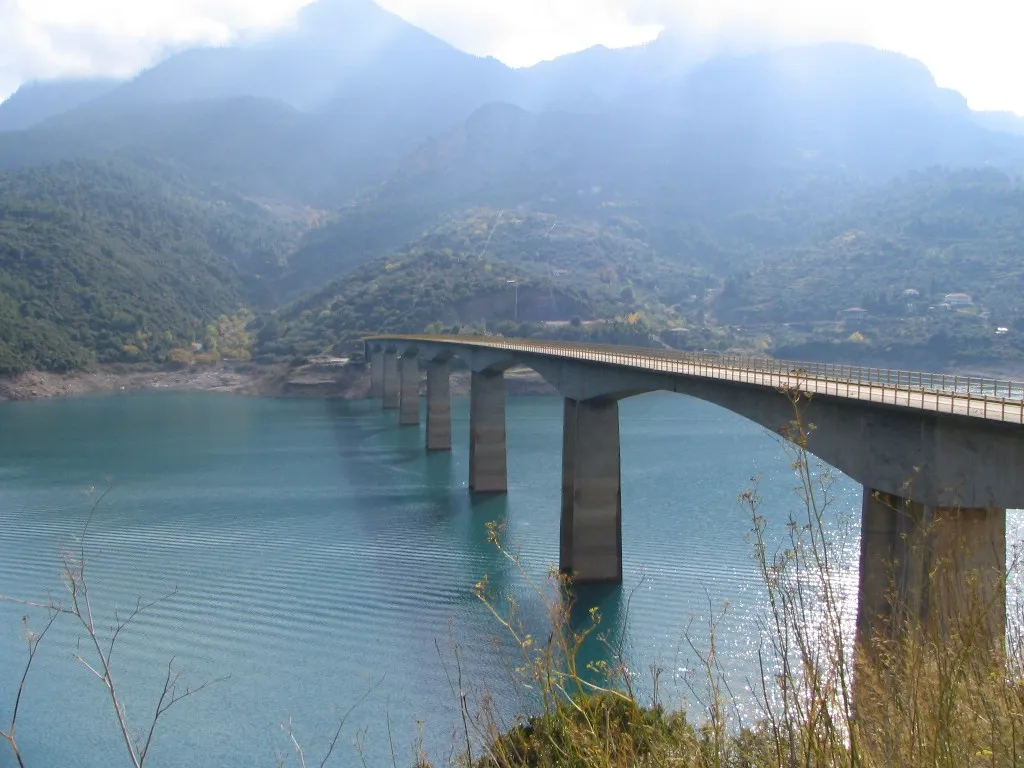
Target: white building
958, 300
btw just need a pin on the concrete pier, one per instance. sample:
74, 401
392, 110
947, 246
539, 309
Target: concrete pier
488, 468
377, 373
390, 383
591, 527
439, 406
409, 391
940, 462
935, 567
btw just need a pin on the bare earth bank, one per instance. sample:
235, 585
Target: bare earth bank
346, 381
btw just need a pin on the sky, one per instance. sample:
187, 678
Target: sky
974, 47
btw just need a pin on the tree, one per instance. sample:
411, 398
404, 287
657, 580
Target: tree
180, 357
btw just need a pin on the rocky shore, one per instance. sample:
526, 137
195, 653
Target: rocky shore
333, 379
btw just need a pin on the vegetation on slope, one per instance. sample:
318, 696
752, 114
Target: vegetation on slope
103, 261
489, 267
897, 253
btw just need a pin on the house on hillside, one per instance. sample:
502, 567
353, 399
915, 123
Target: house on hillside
853, 315
958, 300
910, 297
675, 337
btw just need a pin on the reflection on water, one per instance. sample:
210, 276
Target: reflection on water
318, 553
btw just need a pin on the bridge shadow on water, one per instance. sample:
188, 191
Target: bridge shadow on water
419, 500
438, 529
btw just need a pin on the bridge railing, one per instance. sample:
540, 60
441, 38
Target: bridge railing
967, 395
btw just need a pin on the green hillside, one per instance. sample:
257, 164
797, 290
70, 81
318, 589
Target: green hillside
459, 274
896, 253
104, 261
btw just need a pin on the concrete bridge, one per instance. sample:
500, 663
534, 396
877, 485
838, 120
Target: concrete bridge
940, 457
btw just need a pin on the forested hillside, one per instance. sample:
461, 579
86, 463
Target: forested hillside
107, 262
494, 269
935, 233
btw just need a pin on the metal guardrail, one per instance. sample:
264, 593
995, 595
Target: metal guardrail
1000, 400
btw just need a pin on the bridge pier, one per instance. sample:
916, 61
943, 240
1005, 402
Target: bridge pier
409, 391
390, 383
941, 568
377, 373
439, 406
488, 467
591, 527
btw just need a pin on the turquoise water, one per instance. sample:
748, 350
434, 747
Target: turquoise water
317, 555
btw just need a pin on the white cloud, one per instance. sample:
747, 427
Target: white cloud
972, 47
42, 39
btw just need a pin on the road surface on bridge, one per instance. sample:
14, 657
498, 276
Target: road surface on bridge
972, 396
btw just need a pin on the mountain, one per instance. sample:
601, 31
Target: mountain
344, 54
316, 112
37, 101
105, 261
352, 97
1007, 122
871, 112
742, 153
590, 79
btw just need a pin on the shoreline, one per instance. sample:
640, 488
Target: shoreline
345, 382
40, 385
335, 380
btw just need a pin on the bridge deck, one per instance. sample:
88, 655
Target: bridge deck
972, 396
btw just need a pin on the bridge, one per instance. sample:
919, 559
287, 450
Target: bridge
940, 457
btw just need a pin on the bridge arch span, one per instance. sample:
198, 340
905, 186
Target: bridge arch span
927, 456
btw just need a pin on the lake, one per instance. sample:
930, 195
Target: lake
316, 556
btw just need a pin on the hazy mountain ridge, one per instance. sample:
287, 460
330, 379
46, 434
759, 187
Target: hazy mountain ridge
735, 159
36, 102
351, 90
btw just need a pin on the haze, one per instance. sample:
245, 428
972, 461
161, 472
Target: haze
969, 47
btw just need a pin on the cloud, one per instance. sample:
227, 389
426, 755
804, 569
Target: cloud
42, 39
